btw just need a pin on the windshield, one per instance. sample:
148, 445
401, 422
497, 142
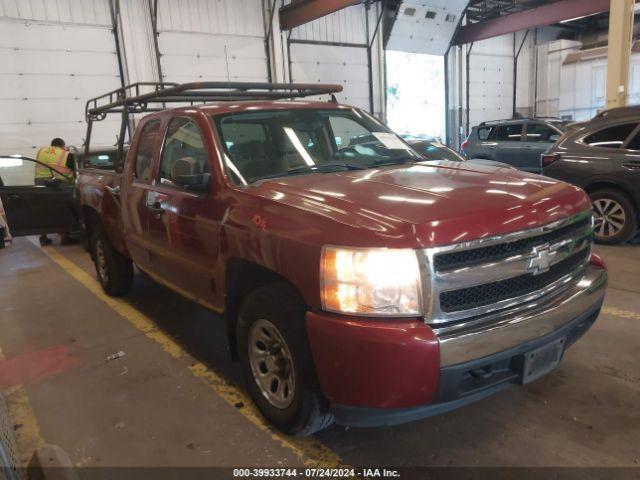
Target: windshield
437, 151
270, 144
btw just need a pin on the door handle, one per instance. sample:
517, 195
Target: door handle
14, 196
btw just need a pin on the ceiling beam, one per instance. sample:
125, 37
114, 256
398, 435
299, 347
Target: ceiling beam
535, 17
299, 12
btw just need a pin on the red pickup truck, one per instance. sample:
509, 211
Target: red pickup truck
360, 282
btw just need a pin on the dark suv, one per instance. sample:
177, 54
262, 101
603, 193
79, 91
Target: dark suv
603, 157
518, 142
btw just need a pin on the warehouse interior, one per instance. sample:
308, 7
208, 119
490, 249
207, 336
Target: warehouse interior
502, 136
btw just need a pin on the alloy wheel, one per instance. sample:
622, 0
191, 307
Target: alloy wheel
609, 217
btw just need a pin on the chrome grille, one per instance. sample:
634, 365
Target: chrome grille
472, 281
481, 295
492, 253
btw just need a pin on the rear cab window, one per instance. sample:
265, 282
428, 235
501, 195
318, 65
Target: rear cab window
100, 161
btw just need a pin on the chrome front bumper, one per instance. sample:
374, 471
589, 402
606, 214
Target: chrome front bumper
514, 327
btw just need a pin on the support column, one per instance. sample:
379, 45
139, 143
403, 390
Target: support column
619, 52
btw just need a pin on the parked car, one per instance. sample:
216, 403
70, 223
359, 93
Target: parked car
434, 150
518, 142
358, 281
36, 209
603, 157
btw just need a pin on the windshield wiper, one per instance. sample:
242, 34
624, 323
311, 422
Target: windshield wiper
319, 168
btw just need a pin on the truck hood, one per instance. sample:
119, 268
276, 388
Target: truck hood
422, 204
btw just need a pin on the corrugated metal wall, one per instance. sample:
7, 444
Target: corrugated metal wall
53, 56
491, 79
220, 40
333, 49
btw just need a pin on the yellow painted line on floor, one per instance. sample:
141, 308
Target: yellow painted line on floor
22, 416
309, 450
617, 312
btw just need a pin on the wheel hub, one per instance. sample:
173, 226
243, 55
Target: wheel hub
609, 217
271, 363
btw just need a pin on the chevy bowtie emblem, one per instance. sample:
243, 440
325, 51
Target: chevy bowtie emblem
539, 262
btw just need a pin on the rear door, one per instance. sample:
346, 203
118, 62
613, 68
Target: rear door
136, 215
509, 144
36, 209
539, 137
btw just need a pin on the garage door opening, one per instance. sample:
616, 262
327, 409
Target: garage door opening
415, 94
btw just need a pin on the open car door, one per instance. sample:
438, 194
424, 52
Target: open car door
36, 209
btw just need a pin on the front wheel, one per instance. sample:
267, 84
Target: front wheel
614, 217
276, 361
114, 270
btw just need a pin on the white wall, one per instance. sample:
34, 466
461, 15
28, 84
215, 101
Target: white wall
576, 89
333, 49
491, 80
53, 56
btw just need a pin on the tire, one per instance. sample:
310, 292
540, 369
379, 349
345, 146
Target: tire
114, 270
278, 310
616, 219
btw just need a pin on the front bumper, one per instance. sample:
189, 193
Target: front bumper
388, 372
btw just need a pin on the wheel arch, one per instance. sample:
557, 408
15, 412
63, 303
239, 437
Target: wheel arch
242, 277
611, 185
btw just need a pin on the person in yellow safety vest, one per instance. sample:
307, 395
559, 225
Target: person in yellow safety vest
58, 158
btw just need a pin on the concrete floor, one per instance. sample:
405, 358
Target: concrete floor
159, 406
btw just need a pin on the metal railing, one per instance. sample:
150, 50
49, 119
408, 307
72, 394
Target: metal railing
145, 97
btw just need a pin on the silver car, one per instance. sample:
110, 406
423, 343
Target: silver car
517, 142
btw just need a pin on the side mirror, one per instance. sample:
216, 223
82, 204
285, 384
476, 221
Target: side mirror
193, 183
554, 138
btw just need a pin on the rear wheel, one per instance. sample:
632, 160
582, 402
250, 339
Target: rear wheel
114, 270
276, 360
614, 215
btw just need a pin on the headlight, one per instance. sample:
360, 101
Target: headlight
376, 282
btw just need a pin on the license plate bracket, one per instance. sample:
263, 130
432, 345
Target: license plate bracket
540, 361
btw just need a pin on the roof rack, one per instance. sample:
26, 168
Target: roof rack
517, 119
153, 96
133, 98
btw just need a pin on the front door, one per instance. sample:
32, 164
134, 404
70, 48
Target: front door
36, 209
184, 230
